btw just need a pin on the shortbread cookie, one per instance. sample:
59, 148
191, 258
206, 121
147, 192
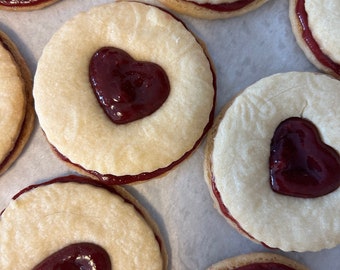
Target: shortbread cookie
316, 26
73, 220
260, 260
16, 103
269, 175
213, 9
133, 121
25, 5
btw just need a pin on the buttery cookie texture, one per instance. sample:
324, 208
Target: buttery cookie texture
25, 5
75, 222
272, 162
124, 92
258, 261
16, 103
213, 9
316, 26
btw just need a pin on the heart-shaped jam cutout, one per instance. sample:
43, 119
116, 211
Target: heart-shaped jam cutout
84, 256
127, 89
301, 165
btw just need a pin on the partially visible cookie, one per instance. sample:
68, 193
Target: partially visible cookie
262, 260
25, 5
316, 25
16, 103
272, 195
75, 221
213, 9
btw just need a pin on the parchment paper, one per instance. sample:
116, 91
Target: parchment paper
243, 49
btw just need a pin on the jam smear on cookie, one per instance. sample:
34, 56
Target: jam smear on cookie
127, 89
226, 7
300, 163
86, 256
21, 3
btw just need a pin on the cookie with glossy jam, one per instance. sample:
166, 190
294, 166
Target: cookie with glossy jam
16, 102
316, 27
213, 9
124, 92
25, 5
272, 162
75, 222
259, 260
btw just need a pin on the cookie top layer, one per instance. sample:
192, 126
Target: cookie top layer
240, 161
324, 22
49, 217
72, 118
12, 101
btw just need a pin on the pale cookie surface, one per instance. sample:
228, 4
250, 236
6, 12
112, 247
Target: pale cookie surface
12, 102
71, 116
324, 22
45, 219
240, 161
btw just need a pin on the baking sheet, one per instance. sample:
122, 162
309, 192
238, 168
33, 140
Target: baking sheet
243, 49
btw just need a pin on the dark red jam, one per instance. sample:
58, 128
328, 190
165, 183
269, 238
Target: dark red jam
300, 164
265, 266
225, 7
310, 41
85, 256
22, 3
127, 89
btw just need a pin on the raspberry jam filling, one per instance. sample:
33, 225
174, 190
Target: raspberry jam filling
300, 164
264, 266
85, 256
21, 3
309, 39
225, 7
127, 89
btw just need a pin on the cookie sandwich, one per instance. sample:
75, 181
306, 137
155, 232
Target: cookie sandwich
316, 26
258, 260
272, 162
16, 102
124, 92
75, 222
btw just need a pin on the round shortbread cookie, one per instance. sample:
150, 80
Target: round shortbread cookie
47, 218
16, 103
316, 25
76, 125
25, 5
264, 259
237, 162
213, 9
